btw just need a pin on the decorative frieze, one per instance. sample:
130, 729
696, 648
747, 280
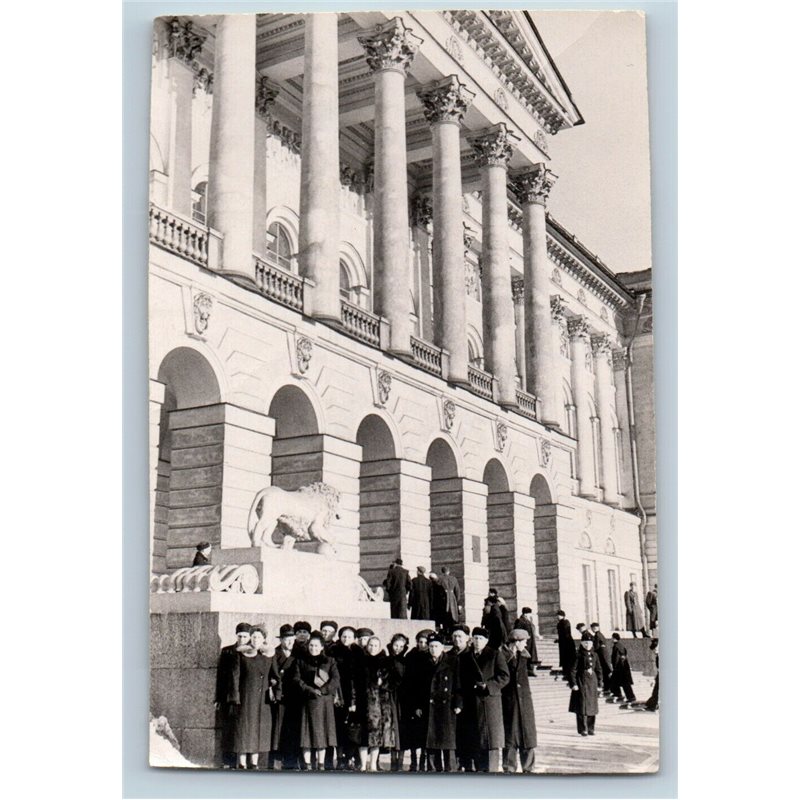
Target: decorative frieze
534, 186
449, 414
494, 146
446, 100
384, 386
266, 92
545, 453
604, 314
391, 46
501, 99
453, 46
184, 41
501, 435
581, 297
556, 277
288, 138
201, 307
303, 350
541, 141
558, 308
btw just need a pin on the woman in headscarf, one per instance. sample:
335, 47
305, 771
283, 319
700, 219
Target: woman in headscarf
381, 680
317, 679
398, 645
252, 732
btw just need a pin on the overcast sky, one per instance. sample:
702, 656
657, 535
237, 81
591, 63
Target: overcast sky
603, 191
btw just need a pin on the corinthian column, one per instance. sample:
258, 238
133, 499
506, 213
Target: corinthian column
390, 51
230, 173
265, 97
493, 148
604, 388
319, 164
518, 296
578, 328
533, 188
445, 104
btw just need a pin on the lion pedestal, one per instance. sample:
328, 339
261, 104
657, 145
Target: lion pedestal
293, 582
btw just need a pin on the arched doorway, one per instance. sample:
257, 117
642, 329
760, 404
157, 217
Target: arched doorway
500, 533
546, 549
187, 495
380, 485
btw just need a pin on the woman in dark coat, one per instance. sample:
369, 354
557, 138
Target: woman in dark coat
382, 679
285, 701
484, 673
397, 652
414, 701
518, 716
343, 652
317, 680
621, 678
566, 644
584, 680
440, 692
252, 732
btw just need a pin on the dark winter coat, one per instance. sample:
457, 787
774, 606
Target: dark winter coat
200, 559
227, 693
601, 648
586, 674
382, 678
414, 695
482, 723
620, 667
651, 604
492, 620
634, 619
285, 704
452, 596
525, 624
444, 697
398, 584
518, 716
252, 731
317, 680
420, 598
566, 645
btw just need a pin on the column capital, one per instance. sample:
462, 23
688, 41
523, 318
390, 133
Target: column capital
266, 92
601, 346
203, 81
619, 359
558, 308
578, 328
184, 42
421, 210
517, 289
534, 185
493, 146
446, 100
391, 46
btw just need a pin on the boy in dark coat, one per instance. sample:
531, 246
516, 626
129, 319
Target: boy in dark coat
420, 597
444, 706
601, 648
483, 674
566, 644
621, 678
226, 697
518, 716
584, 679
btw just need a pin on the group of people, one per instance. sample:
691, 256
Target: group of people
428, 596
337, 698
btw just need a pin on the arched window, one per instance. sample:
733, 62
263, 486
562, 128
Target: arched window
199, 202
474, 348
345, 287
279, 247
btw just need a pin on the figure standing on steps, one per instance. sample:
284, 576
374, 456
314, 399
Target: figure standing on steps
452, 599
566, 644
525, 622
601, 648
634, 619
651, 604
621, 678
420, 597
584, 680
652, 701
398, 584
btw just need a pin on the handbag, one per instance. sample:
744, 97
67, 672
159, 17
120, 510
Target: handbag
321, 678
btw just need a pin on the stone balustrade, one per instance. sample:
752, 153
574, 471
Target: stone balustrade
361, 324
279, 285
526, 404
481, 382
182, 236
234, 578
427, 356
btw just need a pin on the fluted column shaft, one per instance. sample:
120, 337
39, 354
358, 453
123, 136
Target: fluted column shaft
518, 296
230, 182
579, 336
533, 188
445, 104
319, 164
604, 392
390, 51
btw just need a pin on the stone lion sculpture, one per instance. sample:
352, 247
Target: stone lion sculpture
306, 512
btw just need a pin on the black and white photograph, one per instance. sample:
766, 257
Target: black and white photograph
402, 462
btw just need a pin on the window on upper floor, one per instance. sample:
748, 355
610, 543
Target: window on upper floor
345, 288
474, 355
279, 247
199, 202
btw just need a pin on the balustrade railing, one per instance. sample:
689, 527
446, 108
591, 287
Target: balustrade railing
481, 382
361, 324
427, 356
171, 232
278, 285
527, 404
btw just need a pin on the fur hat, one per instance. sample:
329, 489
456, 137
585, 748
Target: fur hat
519, 635
480, 632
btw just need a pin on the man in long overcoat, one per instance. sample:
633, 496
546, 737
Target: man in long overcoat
651, 604
226, 696
601, 648
444, 705
493, 621
525, 622
584, 680
621, 678
414, 700
420, 597
398, 584
452, 599
566, 644
484, 673
518, 715
634, 619
285, 701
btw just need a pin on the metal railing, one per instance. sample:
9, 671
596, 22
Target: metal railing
481, 382
178, 235
278, 285
427, 356
527, 404
361, 324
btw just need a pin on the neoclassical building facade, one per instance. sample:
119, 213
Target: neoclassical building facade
354, 279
